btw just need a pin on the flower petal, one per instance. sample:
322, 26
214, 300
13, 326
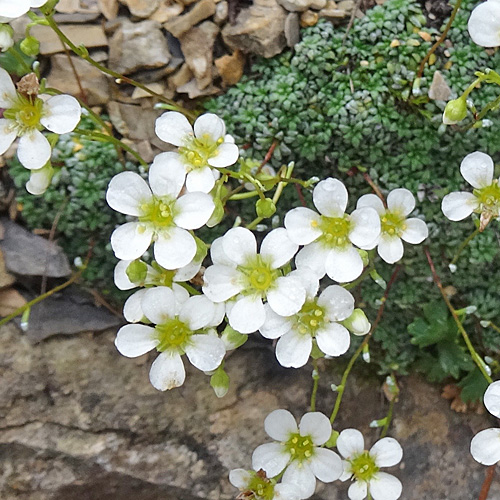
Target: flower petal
415, 231
492, 399
209, 125
330, 197
365, 228
247, 315
61, 114
132, 309
279, 424
135, 340
338, 302
8, 92
401, 201
386, 452
344, 265
158, 304
485, 446
167, 175
240, 478
312, 258
285, 492
120, 276
226, 154
326, 465
371, 201
173, 127
167, 371
14, 8
193, 210
271, 457
126, 193
390, 248
278, 247
484, 24
459, 205
358, 490
7, 136
317, 426
200, 179
385, 487
275, 325
302, 225
197, 312
239, 245
218, 255
131, 240
333, 339
350, 442
293, 349
301, 476
40, 180
287, 296
221, 283
34, 150
174, 249
477, 168
206, 352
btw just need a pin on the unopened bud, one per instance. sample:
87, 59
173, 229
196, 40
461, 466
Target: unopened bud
137, 271
265, 208
30, 46
6, 37
455, 111
357, 323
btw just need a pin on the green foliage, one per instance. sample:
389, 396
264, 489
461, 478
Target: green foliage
76, 199
336, 104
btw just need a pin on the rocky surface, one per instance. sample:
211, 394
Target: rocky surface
79, 421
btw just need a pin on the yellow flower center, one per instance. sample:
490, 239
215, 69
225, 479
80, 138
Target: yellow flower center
363, 466
158, 211
26, 113
392, 224
259, 275
261, 487
489, 198
335, 231
310, 318
172, 335
301, 448
196, 151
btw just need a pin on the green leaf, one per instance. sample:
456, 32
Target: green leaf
473, 386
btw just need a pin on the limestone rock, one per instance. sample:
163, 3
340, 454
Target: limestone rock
95, 83
109, 8
230, 67
6, 279
259, 29
30, 255
200, 11
221, 12
193, 90
308, 18
166, 12
141, 8
302, 5
292, 30
439, 89
180, 78
136, 46
197, 46
68, 6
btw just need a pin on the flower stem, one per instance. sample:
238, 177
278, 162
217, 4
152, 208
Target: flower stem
315, 376
388, 418
485, 489
463, 245
475, 356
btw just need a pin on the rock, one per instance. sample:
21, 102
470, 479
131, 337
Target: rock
68, 6
439, 89
292, 29
93, 81
221, 12
166, 12
90, 36
109, 8
333, 14
259, 29
180, 25
180, 78
76, 17
10, 301
30, 255
302, 5
141, 8
6, 279
157, 87
81, 422
193, 91
138, 45
230, 67
308, 18
67, 313
197, 46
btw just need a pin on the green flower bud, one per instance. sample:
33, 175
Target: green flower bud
217, 214
455, 111
357, 323
220, 382
332, 442
137, 271
30, 46
6, 37
233, 339
265, 208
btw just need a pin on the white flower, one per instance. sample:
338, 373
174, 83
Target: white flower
299, 450
250, 277
11, 9
262, 488
6, 37
200, 148
163, 217
329, 236
394, 225
477, 169
40, 180
24, 117
318, 321
363, 466
182, 326
485, 445
484, 24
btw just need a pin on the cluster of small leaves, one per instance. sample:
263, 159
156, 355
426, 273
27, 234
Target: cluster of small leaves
76, 201
342, 101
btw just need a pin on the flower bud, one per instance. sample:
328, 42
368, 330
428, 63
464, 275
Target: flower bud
265, 208
455, 111
357, 323
30, 46
137, 271
6, 37
217, 214
220, 382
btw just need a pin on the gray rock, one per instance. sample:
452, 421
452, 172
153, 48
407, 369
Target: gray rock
181, 24
137, 46
259, 29
81, 422
141, 8
302, 5
30, 255
292, 29
439, 89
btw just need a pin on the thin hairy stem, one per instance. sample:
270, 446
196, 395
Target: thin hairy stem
388, 418
485, 489
315, 376
464, 245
